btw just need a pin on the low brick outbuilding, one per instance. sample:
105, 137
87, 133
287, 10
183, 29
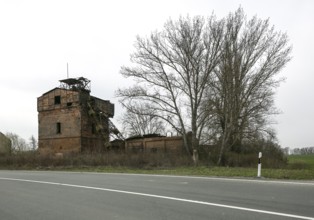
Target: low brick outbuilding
154, 144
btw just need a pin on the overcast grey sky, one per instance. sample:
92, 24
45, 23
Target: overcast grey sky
38, 39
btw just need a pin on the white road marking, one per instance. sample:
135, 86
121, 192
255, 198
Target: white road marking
164, 197
184, 183
270, 181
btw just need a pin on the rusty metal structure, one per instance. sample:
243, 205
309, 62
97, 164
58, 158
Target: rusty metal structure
70, 120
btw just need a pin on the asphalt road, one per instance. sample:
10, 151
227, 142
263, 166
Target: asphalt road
70, 195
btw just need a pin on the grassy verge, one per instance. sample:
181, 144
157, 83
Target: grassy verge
298, 167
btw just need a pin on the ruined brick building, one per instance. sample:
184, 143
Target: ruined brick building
154, 143
71, 120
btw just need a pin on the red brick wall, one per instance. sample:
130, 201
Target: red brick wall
165, 144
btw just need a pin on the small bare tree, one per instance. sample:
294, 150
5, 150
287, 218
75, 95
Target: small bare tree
33, 143
172, 69
18, 144
140, 120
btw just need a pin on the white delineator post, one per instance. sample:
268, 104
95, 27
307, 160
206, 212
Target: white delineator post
259, 166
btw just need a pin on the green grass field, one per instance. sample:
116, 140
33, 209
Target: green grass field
301, 161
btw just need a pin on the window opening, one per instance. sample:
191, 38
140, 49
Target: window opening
58, 128
57, 100
93, 128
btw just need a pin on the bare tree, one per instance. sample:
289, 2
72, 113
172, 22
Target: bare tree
140, 120
18, 144
33, 143
242, 89
307, 150
286, 151
210, 76
5, 144
172, 69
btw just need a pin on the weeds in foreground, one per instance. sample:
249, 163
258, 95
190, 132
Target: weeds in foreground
113, 159
153, 163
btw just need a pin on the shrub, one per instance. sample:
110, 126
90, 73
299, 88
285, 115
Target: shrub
133, 160
247, 156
